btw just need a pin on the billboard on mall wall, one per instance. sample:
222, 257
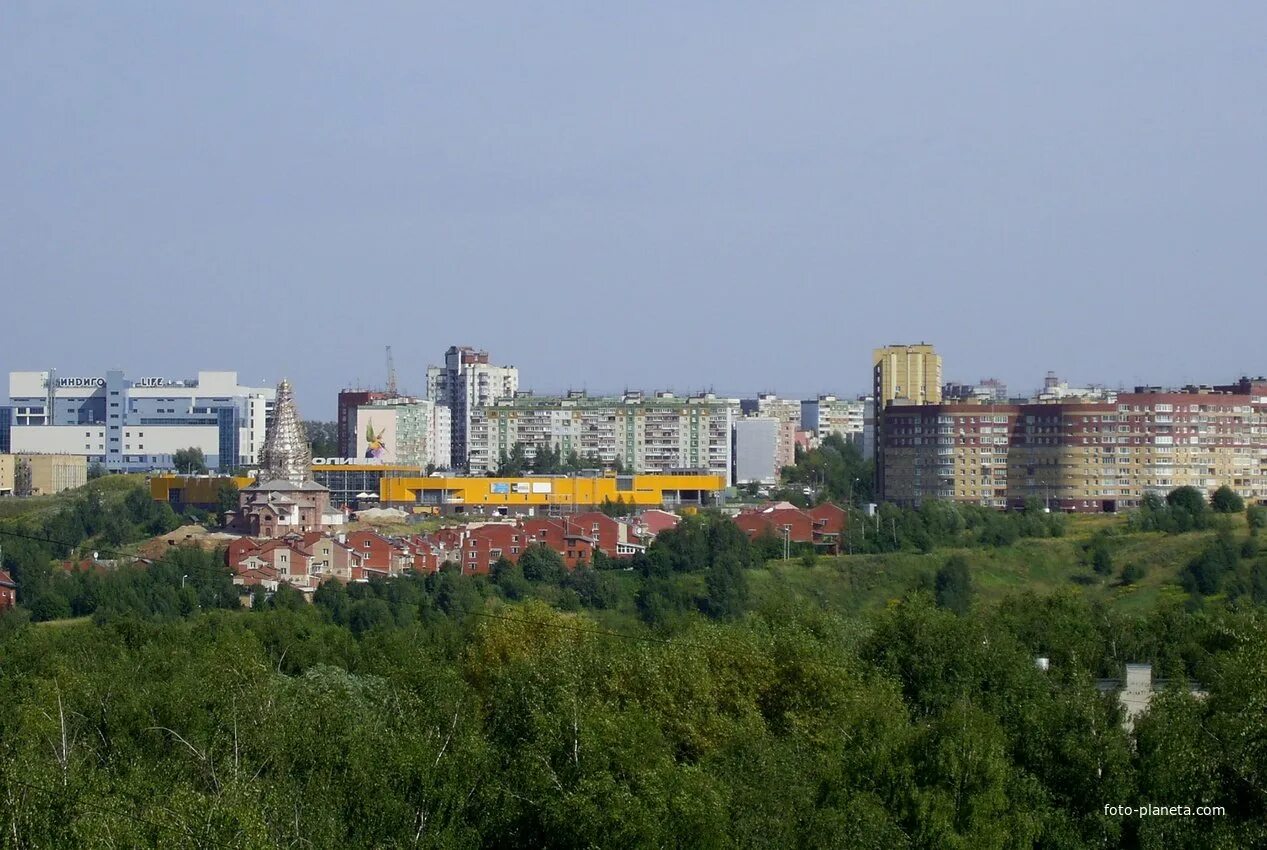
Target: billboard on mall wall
376, 435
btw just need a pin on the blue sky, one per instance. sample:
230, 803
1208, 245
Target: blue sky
742, 196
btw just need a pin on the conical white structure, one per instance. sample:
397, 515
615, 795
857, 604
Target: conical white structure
286, 455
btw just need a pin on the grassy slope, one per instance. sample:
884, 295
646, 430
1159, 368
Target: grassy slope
859, 582
112, 488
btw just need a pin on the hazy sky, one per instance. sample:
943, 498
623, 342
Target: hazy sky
743, 196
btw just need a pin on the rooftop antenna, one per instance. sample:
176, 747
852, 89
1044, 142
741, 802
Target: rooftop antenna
391, 373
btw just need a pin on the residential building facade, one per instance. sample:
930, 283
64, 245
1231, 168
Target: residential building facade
1081, 454
901, 374
349, 401
827, 415
41, 474
465, 383
659, 433
757, 450
788, 413
407, 431
910, 372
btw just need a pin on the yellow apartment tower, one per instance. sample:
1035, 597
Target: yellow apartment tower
910, 372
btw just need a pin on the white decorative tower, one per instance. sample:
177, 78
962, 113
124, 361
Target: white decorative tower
286, 455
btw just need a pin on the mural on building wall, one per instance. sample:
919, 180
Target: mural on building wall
376, 436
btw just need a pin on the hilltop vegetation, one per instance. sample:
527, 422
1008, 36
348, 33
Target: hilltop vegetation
701, 694
438, 716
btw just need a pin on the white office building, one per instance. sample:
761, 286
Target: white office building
138, 424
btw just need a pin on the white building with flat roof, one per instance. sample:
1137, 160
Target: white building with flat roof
136, 424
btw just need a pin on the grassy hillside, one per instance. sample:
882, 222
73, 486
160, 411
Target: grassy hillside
111, 487
854, 583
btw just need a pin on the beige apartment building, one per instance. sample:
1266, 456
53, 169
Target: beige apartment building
42, 474
911, 372
6, 474
902, 375
1080, 455
952, 452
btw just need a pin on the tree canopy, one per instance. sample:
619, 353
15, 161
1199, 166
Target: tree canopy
190, 461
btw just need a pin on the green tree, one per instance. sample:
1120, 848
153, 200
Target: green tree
190, 461
1256, 518
369, 614
288, 598
1101, 555
96, 470
1226, 501
660, 602
510, 579
1188, 499
227, 498
513, 463
726, 585
953, 585
593, 588
547, 460
540, 563
332, 598
323, 438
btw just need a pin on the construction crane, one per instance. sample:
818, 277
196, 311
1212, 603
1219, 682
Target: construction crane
391, 373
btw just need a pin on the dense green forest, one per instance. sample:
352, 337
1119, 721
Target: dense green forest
700, 695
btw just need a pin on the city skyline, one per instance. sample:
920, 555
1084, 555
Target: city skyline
608, 198
323, 406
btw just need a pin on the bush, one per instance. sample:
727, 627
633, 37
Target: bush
1188, 499
953, 586
1226, 501
1256, 517
1132, 573
1205, 573
541, 563
1100, 555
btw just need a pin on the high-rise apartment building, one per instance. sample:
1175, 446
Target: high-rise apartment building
645, 434
787, 412
908, 372
1080, 454
954, 452
827, 415
466, 382
901, 374
757, 450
